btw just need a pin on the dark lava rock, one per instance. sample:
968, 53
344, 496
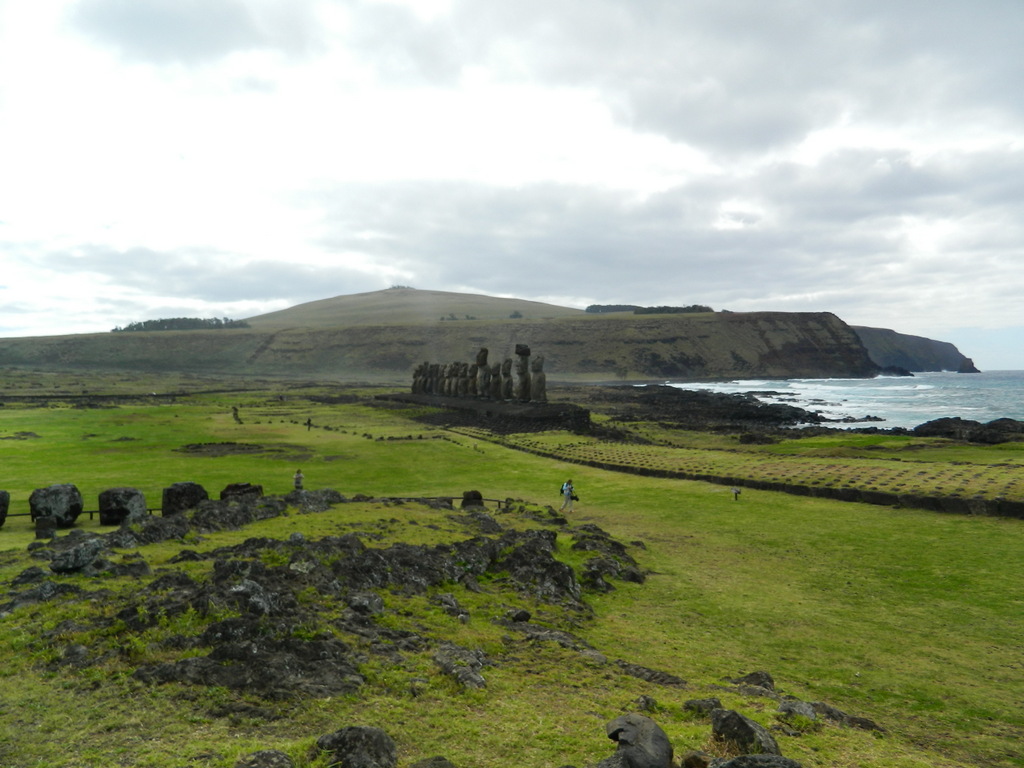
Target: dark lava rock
955, 428
694, 409
463, 664
358, 747
246, 491
756, 679
119, 505
756, 761
181, 497
80, 557
641, 743
742, 733
62, 502
268, 668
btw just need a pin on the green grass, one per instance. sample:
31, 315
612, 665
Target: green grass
907, 617
892, 464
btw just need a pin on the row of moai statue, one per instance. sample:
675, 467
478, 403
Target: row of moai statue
485, 381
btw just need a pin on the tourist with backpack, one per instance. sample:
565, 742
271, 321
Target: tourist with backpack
568, 496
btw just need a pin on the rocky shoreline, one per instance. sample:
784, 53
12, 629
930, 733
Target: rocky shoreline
744, 412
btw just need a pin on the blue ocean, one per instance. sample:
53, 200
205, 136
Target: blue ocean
900, 401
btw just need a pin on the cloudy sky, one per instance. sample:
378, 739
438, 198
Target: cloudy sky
226, 158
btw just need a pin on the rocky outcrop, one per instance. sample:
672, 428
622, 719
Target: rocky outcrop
913, 353
956, 428
253, 623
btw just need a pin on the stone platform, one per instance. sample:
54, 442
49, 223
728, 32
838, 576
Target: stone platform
499, 415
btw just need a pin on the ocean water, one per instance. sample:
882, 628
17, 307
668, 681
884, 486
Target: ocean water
900, 400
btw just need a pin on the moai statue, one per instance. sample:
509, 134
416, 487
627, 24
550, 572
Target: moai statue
523, 373
451, 382
483, 381
472, 379
419, 378
495, 390
462, 383
483, 374
539, 381
506, 379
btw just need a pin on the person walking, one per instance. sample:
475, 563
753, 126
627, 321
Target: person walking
568, 496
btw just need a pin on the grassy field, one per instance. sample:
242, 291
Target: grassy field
883, 463
907, 617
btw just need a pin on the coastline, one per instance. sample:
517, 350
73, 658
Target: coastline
901, 402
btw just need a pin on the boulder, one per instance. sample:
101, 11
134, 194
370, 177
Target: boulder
122, 505
358, 747
181, 497
246, 491
62, 502
462, 664
796, 708
742, 733
78, 558
641, 743
472, 499
760, 679
842, 718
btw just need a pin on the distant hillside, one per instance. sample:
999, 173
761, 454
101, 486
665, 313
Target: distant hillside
383, 336
405, 306
914, 353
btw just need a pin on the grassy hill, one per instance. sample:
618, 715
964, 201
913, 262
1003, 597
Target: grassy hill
382, 336
404, 306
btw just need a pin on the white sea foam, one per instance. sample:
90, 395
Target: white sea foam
900, 401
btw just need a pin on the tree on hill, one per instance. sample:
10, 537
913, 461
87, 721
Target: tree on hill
182, 324
638, 310
598, 309
692, 309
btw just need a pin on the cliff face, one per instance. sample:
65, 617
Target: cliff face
914, 353
718, 345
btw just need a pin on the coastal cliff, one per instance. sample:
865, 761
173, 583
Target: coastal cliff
578, 347
913, 353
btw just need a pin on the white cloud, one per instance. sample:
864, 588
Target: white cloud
229, 157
